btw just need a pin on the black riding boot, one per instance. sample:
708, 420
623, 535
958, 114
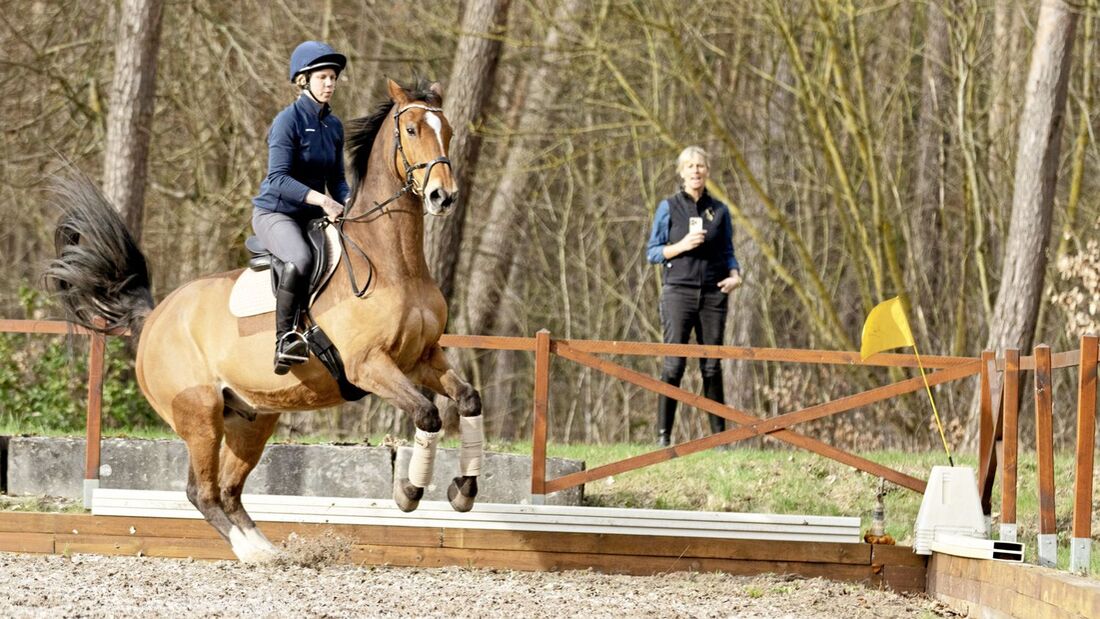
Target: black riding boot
712, 388
666, 415
290, 345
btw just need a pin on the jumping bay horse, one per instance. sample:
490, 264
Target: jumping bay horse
208, 374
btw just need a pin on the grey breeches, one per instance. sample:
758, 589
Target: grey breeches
282, 235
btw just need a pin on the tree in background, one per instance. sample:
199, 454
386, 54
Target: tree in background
472, 79
1040, 137
130, 109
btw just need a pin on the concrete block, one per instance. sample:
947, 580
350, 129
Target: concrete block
55, 467
324, 470
46, 466
505, 478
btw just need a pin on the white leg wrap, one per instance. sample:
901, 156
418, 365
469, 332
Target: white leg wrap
423, 458
471, 432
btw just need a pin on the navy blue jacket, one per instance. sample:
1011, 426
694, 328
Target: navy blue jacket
705, 265
305, 151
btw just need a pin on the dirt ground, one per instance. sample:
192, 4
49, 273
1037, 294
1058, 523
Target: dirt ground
96, 586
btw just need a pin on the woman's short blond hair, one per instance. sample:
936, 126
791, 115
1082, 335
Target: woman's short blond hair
689, 153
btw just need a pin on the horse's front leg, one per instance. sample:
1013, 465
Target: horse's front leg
380, 376
437, 374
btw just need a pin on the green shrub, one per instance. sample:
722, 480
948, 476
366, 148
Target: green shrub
44, 385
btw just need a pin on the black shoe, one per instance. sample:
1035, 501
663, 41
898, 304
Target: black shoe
291, 349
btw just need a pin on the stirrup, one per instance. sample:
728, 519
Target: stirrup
292, 352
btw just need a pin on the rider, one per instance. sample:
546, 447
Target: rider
305, 158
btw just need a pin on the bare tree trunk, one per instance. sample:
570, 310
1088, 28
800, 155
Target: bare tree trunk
489, 266
1005, 66
925, 220
130, 111
472, 77
1025, 260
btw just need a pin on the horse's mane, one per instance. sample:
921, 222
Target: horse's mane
362, 131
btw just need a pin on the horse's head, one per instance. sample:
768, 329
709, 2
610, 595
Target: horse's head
422, 136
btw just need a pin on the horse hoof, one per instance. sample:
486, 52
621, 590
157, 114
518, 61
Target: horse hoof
252, 547
462, 501
406, 495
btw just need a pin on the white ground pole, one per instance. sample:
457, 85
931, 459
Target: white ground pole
1048, 550
1008, 532
1080, 551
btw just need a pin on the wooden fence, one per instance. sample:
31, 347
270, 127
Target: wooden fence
1000, 395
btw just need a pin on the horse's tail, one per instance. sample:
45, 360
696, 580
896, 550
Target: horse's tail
99, 270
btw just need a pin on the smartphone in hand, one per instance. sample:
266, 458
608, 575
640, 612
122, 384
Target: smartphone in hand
695, 224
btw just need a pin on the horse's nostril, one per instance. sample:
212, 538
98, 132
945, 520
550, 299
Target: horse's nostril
449, 200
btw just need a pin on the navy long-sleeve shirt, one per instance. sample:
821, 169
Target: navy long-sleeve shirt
707, 264
305, 151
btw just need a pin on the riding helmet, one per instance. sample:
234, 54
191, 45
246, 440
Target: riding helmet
313, 55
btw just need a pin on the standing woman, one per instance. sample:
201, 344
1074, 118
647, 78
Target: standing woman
700, 271
305, 158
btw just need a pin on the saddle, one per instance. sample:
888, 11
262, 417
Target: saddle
254, 294
263, 260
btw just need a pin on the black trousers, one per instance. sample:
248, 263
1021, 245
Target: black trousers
685, 310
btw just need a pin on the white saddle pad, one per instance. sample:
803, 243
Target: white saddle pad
252, 294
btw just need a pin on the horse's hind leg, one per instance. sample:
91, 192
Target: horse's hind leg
380, 376
197, 413
244, 444
437, 375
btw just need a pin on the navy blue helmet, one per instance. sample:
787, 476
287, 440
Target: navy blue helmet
313, 55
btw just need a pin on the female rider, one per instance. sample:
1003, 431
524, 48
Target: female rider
305, 158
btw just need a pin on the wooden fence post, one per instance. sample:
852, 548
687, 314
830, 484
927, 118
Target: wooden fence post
1044, 447
1010, 451
94, 415
1081, 543
538, 433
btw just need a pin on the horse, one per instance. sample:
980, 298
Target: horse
208, 374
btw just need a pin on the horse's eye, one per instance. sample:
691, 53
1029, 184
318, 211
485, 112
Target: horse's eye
409, 129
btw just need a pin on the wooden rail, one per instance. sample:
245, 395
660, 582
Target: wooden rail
875, 566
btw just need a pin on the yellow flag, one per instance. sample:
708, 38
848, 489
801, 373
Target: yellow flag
886, 327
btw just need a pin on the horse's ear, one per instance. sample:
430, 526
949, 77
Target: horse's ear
437, 88
397, 93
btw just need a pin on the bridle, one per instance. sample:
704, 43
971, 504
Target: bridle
410, 168
409, 185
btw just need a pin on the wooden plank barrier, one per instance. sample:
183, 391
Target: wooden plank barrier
437, 546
